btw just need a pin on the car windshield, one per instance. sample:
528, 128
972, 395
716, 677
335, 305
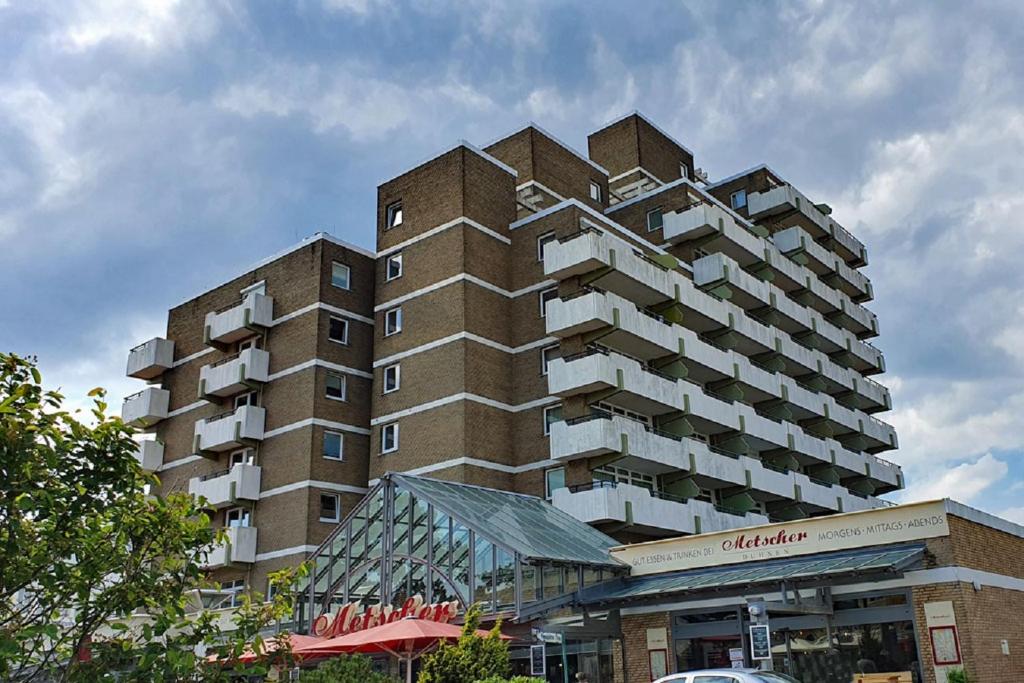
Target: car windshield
768, 677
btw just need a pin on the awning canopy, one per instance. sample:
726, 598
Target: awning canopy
735, 578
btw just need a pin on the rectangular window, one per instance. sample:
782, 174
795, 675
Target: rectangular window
547, 354
683, 171
554, 479
738, 199
546, 238
334, 446
547, 295
393, 267
393, 215
336, 388
235, 589
552, 414
246, 456
340, 275
330, 507
595, 191
393, 322
392, 378
389, 438
236, 517
338, 330
249, 399
655, 221
250, 343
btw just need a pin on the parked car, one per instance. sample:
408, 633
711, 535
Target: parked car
728, 676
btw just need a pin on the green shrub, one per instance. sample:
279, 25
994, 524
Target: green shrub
957, 676
344, 669
514, 679
472, 658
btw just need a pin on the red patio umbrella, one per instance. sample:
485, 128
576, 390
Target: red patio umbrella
271, 644
407, 639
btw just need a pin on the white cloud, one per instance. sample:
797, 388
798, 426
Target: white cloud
963, 483
150, 24
1013, 514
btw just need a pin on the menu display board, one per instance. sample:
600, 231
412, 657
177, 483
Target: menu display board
760, 642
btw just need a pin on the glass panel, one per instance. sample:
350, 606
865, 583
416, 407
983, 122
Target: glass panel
483, 577
442, 541
365, 584
530, 577
420, 530
440, 590
552, 581
460, 558
401, 537
418, 579
399, 581
591, 576
572, 579
505, 575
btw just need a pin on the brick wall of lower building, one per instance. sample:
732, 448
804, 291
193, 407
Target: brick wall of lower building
637, 667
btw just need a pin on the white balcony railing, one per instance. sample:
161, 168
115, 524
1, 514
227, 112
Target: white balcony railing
150, 359
240, 548
146, 408
150, 454
253, 313
233, 375
646, 512
229, 430
220, 489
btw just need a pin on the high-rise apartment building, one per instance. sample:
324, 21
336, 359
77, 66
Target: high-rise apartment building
656, 354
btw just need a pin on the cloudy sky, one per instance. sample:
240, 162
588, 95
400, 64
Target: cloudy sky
149, 152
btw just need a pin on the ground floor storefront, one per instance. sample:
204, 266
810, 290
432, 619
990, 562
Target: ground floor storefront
913, 591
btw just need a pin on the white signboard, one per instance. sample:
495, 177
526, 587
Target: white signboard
880, 526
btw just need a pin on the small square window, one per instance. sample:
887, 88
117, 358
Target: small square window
392, 378
246, 456
340, 275
393, 215
655, 221
389, 438
330, 507
595, 191
547, 354
336, 388
552, 414
248, 399
554, 479
546, 238
547, 295
738, 199
338, 330
393, 267
393, 322
236, 517
334, 446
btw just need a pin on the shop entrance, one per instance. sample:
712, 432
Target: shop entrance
591, 657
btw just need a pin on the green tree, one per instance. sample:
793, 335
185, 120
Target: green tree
92, 564
472, 658
344, 669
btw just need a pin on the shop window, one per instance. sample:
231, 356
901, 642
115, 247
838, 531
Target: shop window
483, 574
530, 580
505, 578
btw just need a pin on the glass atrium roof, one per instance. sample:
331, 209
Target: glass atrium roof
524, 524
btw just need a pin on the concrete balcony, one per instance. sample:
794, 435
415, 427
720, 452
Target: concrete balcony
785, 199
797, 245
717, 231
221, 489
611, 264
146, 408
150, 454
254, 313
235, 374
230, 430
240, 548
614, 506
150, 359
598, 374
